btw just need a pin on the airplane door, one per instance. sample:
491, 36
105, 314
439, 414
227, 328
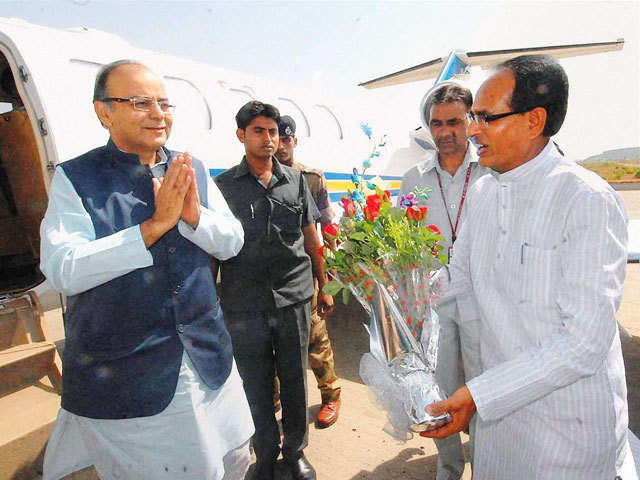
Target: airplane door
12, 63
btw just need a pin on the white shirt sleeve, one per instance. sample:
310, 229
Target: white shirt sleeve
593, 262
71, 257
218, 233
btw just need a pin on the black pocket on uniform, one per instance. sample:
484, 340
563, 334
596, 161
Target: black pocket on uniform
286, 220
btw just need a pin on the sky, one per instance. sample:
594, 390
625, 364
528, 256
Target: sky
332, 46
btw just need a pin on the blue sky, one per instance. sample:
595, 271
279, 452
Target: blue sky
335, 45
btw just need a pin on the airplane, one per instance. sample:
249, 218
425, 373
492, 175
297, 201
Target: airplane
47, 117
46, 86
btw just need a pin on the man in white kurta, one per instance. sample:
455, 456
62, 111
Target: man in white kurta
539, 268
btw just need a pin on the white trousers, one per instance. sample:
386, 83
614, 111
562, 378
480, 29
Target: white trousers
455, 365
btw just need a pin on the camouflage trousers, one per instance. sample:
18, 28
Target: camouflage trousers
320, 357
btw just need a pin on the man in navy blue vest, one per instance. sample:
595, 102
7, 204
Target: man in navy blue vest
150, 388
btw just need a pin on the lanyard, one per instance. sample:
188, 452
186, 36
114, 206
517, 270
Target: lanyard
454, 229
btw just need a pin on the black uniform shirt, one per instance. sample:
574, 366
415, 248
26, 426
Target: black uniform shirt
272, 270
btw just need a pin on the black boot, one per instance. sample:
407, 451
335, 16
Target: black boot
300, 468
264, 470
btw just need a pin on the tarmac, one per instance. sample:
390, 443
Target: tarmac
356, 447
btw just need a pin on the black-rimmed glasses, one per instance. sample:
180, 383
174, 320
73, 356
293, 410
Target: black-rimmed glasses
143, 104
484, 119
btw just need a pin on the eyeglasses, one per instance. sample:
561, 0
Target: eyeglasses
143, 104
484, 119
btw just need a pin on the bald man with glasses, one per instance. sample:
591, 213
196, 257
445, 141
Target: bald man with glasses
150, 388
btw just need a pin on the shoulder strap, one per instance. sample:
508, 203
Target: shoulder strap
301, 189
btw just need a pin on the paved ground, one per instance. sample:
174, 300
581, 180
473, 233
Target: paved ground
356, 446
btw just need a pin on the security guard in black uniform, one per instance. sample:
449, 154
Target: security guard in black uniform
267, 287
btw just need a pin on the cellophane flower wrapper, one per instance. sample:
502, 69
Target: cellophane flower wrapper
383, 255
403, 346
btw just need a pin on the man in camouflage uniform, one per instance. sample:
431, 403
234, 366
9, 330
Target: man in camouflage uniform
320, 352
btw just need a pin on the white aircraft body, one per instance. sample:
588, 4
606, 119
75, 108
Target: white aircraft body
46, 87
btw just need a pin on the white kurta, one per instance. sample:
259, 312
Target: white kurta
539, 268
189, 439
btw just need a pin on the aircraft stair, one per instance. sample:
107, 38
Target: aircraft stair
30, 384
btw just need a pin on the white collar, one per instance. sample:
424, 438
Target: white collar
433, 162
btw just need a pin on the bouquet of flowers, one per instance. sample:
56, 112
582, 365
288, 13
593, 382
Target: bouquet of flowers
384, 256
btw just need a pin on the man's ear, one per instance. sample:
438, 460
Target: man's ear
104, 113
240, 134
295, 142
537, 121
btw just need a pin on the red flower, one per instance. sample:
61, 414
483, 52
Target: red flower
372, 210
412, 213
435, 229
374, 202
321, 250
348, 206
330, 231
370, 214
416, 213
386, 196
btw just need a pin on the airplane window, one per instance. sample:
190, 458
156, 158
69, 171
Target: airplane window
245, 94
239, 98
291, 108
5, 107
192, 109
328, 122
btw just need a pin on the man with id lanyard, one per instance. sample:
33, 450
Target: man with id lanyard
447, 174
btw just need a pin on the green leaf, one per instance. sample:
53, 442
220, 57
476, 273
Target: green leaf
359, 236
443, 259
345, 296
332, 287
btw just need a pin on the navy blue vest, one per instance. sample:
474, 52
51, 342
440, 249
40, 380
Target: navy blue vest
125, 338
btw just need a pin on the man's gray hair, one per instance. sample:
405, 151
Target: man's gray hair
450, 93
100, 87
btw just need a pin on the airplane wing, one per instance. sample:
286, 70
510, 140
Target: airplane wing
486, 59
424, 71
491, 58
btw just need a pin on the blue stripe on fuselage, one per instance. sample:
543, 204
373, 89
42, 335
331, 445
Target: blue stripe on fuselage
214, 172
